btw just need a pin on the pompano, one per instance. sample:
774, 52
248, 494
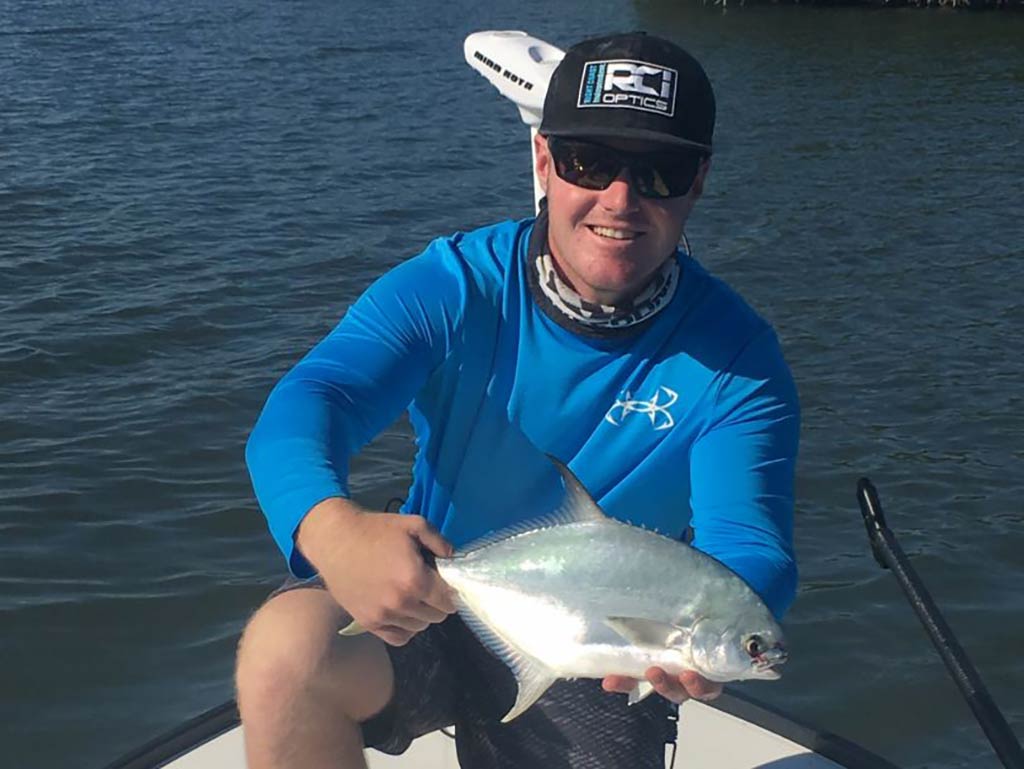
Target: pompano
580, 595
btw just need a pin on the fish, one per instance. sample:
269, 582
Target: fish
579, 594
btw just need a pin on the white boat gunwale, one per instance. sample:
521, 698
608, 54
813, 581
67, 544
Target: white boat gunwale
221, 719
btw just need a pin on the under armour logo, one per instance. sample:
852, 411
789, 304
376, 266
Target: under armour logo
653, 409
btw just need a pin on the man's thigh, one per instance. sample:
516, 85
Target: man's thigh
291, 647
421, 683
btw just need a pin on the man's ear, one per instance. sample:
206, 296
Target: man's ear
697, 189
542, 161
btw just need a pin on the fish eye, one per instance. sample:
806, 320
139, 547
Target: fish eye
754, 645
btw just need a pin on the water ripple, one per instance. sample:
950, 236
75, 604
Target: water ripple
192, 194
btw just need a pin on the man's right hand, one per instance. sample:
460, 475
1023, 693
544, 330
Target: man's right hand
374, 566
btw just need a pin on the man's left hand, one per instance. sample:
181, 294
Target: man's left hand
678, 688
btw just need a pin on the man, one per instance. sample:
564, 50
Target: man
585, 334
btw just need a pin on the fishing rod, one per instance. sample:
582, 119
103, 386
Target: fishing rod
890, 555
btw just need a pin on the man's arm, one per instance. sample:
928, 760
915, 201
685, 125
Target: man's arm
343, 393
742, 469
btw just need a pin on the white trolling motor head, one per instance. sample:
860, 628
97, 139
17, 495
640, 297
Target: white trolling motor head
519, 66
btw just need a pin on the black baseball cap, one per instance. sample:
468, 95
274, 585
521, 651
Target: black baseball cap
630, 86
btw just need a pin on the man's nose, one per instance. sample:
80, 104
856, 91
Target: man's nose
620, 196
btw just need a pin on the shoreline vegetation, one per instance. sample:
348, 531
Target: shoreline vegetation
959, 5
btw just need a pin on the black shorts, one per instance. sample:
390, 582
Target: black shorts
445, 677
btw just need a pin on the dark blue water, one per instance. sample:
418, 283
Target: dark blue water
191, 194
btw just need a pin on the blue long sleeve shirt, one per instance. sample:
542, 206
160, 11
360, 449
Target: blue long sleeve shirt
692, 421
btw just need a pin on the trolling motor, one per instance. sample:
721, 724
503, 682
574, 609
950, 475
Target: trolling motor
520, 67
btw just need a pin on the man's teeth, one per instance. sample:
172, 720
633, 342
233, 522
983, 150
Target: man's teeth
609, 232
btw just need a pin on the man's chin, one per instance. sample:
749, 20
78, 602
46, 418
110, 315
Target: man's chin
614, 290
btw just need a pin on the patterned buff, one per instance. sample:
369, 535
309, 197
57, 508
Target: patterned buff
597, 317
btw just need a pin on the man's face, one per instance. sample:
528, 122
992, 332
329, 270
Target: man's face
608, 243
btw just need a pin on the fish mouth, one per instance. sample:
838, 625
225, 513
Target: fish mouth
766, 662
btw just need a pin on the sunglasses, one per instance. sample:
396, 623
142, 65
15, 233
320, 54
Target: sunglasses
664, 174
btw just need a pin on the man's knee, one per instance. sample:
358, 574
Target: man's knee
291, 654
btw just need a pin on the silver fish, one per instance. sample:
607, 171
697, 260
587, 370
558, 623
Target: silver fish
582, 595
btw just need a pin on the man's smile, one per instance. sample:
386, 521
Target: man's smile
614, 233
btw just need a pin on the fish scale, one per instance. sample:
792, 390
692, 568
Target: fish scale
597, 555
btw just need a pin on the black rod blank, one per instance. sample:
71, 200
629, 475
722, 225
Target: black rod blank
890, 555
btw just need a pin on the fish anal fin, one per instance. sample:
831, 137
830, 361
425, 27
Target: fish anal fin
647, 632
640, 692
532, 678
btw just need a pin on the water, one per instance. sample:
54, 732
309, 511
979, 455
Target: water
192, 193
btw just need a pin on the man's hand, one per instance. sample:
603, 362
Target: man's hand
678, 689
374, 566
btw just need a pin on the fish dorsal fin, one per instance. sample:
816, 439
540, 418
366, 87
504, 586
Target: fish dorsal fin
640, 692
576, 505
532, 678
647, 632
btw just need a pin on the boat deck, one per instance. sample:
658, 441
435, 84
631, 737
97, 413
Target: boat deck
734, 732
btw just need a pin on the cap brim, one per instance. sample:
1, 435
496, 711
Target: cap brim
640, 134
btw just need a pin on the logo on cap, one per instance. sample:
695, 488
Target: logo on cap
629, 84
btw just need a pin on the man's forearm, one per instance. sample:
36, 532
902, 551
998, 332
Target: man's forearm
326, 522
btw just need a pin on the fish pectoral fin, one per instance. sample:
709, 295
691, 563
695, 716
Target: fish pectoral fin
641, 691
533, 680
647, 632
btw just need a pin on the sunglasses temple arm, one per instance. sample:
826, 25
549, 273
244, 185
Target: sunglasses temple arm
538, 192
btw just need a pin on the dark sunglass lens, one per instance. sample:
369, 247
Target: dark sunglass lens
584, 165
649, 181
671, 176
